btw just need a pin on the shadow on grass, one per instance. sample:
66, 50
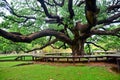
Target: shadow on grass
23, 64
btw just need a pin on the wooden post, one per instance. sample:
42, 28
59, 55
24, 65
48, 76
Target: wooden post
57, 59
88, 60
118, 64
107, 58
32, 58
96, 59
45, 59
73, 60
79, 59
53, 59
67, 59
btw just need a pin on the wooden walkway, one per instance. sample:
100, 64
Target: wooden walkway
114, 57
70, 58
87, 58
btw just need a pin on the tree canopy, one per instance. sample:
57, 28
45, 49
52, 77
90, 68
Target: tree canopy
70, 23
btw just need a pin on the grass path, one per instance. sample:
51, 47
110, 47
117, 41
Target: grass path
8, 71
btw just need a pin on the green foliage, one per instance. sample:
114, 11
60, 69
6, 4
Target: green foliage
80, 13
40, 42
106, 42
113, 43
9, 46
103, 10
31, 8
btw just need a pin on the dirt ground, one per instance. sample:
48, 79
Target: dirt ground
77, 64
110, 66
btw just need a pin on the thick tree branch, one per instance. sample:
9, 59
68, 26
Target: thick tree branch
110, 19
90, 12
115, 32
70, 2
113, 7
28, 38
47, 44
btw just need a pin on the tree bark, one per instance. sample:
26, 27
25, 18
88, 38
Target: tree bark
17, 37
78, 47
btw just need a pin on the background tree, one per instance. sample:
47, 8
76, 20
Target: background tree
70, 22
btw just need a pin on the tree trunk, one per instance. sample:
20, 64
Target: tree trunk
78, 47
81, 33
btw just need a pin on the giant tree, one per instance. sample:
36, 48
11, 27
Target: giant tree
75, 20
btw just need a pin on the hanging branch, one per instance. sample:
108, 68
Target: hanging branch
47, 44
48, 3
10, 9
80, 3
71, 12
96, 45
59, 4
58, 19
89, 48
58, 47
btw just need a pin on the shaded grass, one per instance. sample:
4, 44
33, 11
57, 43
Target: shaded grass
8, 57
13, 57
47, 72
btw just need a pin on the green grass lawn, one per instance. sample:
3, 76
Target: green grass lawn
8, 71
